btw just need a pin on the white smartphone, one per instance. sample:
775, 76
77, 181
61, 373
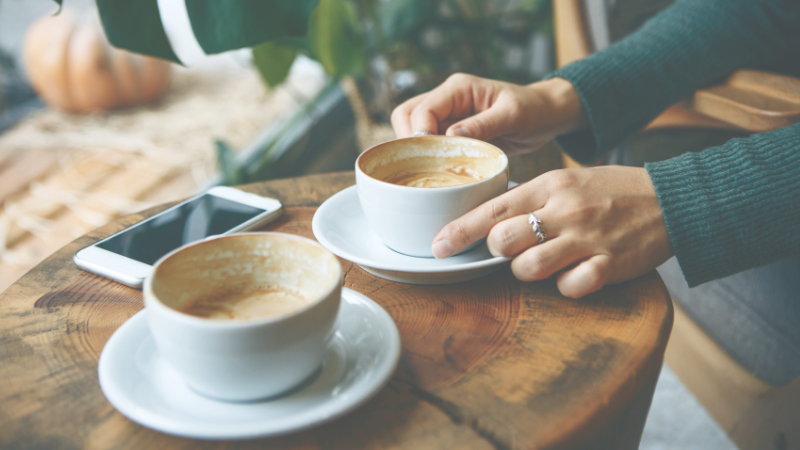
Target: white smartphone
128, 256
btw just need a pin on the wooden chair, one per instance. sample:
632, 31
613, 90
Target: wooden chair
755, 414
748, 100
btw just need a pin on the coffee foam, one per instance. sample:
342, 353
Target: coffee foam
246, 277
432, 161
248, 304
432, 174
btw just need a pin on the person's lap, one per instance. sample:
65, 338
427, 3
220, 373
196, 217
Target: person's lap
754, 315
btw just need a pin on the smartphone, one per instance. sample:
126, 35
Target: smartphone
128, 256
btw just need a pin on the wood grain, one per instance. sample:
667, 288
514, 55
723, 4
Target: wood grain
752, 100
571, 34
488, 364
572, 43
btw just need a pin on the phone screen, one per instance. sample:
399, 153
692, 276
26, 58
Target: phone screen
198, 219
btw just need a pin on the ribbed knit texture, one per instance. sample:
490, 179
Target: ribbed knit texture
733, 207
729, 208
687, 46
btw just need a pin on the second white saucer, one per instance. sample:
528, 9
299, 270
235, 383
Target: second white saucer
140, 384
340, 226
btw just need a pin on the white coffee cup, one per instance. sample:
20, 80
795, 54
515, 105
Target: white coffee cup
407, 218
277, 295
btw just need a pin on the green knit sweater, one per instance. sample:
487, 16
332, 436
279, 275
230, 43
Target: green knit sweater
728, 208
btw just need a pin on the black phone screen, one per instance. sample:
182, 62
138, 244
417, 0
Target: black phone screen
198, 219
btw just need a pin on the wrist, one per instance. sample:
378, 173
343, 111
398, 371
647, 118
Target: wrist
562, 100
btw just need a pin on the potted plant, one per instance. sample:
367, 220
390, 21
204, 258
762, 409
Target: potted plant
393, 49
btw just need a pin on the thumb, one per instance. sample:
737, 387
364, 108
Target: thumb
486, 125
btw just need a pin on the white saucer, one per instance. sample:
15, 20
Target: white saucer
340, 226
360, 361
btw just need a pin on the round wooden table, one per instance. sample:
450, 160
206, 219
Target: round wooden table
487, 364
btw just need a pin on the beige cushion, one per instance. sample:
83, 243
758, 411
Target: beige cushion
754, 414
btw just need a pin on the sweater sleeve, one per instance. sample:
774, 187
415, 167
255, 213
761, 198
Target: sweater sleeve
732, 207
687, 46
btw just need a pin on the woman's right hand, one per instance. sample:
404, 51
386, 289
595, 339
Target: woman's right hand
513, 117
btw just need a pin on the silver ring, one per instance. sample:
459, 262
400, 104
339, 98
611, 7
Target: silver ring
538, 228
422, 133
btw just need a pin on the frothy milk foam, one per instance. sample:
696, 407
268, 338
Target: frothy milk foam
433, 163
250, 304
246, 279
437, 176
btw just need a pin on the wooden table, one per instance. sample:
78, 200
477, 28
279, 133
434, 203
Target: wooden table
488, 364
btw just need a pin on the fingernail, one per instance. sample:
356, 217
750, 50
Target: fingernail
460, 132
442, 249
422, 133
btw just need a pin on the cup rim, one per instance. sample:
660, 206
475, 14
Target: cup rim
427, 137
151, 299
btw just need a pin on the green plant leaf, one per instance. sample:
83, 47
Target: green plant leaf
136, 26
273, 61
335, 38
400, 17
231, 172
227, 25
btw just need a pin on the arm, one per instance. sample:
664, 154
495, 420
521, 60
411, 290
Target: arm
721, 211
732, 207
685, 47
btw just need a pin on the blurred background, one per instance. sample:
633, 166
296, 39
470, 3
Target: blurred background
89, 132
76, 150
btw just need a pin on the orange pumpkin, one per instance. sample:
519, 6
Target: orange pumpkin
72, 67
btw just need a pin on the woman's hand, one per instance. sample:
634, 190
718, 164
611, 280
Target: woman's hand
604, 225
513, 117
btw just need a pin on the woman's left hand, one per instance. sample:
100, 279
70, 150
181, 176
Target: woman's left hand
604, 225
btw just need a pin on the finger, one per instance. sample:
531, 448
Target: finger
516, 234
476, 224
543, 260
429, 113
585, 278
445, 124
488, 124
401, 116
453, 100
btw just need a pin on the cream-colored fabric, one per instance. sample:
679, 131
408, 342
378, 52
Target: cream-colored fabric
755, 414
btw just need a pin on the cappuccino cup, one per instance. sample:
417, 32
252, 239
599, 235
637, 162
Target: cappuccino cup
246, 316
410, 188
